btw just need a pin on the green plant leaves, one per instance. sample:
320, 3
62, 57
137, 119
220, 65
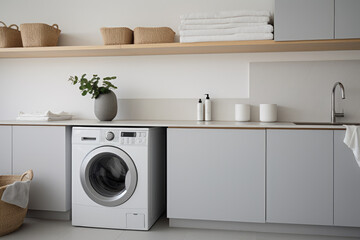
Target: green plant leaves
92, 86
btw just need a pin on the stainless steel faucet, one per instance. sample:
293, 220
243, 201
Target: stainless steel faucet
334, 114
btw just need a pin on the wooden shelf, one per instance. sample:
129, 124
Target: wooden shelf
181, 48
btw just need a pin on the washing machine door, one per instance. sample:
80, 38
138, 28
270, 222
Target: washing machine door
108, 176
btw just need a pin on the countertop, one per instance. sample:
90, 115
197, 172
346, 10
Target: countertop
172, 124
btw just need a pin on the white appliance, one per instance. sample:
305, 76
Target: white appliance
118, 177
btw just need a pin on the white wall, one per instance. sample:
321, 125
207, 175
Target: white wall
155, 87
80, 20
42, 84
303, 89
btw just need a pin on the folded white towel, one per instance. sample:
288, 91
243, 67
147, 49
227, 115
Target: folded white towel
60, 118
17, 194
226, 20
211, 32
232, 37
220, 26
225, 14
352, 140
44, 116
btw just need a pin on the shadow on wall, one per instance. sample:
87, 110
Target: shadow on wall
78, 39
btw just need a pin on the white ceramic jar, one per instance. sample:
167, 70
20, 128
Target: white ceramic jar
242, 112
268, 112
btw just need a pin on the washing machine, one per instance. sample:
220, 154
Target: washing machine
118, 177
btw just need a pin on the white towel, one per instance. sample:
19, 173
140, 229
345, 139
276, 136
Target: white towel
44, 116
220, 26
352, 140
17, 194
225, 14
60, 118
211, 32
252, 19
232, 37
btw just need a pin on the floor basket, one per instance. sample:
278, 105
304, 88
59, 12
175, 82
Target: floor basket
117, 35
39, 34
11, 216
9, 37
153, 35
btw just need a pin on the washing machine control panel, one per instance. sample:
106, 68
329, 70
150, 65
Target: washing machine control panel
133, 138
126, 137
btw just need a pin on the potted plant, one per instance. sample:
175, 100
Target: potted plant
105, 107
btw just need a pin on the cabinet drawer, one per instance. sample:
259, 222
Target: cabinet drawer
216, 174
300, 176
46, 150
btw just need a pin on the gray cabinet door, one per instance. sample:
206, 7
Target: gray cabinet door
346, 184
5, 150
347, 19
300, 176
216, 174
303, 20
45, 150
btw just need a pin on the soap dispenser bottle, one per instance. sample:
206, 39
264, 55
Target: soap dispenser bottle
200, 111
207, 108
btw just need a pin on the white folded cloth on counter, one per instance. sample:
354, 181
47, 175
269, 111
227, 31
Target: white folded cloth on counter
44, 116
231, 37
213, 32
220, 26
245, 19
352, 140
225, 14
17, 194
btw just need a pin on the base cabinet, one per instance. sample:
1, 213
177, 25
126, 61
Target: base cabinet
5, 150
300, 177
216, 174
312, 179
45, 150
346, 184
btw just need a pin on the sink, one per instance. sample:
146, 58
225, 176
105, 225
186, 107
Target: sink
325, 123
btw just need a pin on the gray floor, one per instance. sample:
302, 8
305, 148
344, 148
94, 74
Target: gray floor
57, 230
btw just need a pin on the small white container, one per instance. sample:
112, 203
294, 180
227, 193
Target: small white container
268, 112
242, 112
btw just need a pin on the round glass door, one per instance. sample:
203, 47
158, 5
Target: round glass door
108, 176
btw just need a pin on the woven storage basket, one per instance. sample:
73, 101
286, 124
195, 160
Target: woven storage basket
117, 35
153, 35
10, 37
39, 34
11, 216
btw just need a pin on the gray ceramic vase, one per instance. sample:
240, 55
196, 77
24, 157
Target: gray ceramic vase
106, 106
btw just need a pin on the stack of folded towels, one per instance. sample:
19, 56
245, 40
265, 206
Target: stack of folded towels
44, 116
225, 26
